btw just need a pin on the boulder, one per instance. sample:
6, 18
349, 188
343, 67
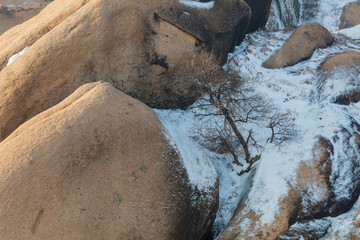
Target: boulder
98, 166
222, 27
27, 33
134, 45
300, 46
350, 15
310, 196
348, 60
349, 64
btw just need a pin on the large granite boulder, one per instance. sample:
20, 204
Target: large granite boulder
300, 46
134, 45
350, 15
98, 166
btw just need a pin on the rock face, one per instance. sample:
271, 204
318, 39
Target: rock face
15, 12
134, 45
260, 10
300, 205
97, 166
350, 16
300, 46
221, 28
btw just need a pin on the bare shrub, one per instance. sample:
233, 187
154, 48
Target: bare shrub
230, 108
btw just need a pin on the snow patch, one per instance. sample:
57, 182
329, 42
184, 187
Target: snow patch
353, 32
200, 169
15, 56
198, 5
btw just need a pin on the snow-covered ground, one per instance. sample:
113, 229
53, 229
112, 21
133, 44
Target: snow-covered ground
300, 90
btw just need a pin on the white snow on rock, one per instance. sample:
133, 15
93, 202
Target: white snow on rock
15, 56
353, 32
198, 5
200, 169
294, 88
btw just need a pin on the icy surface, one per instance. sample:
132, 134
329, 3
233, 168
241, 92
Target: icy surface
199, 5
15, 56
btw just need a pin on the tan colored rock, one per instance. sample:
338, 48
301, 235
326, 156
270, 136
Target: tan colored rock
123, 42
20, 2
300, 46
348, 59
347, 62
97, 166
350, 15
95, 43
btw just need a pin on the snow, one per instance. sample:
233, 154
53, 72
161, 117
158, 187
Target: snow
201, 171
15, 56
198, 5
353, 32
